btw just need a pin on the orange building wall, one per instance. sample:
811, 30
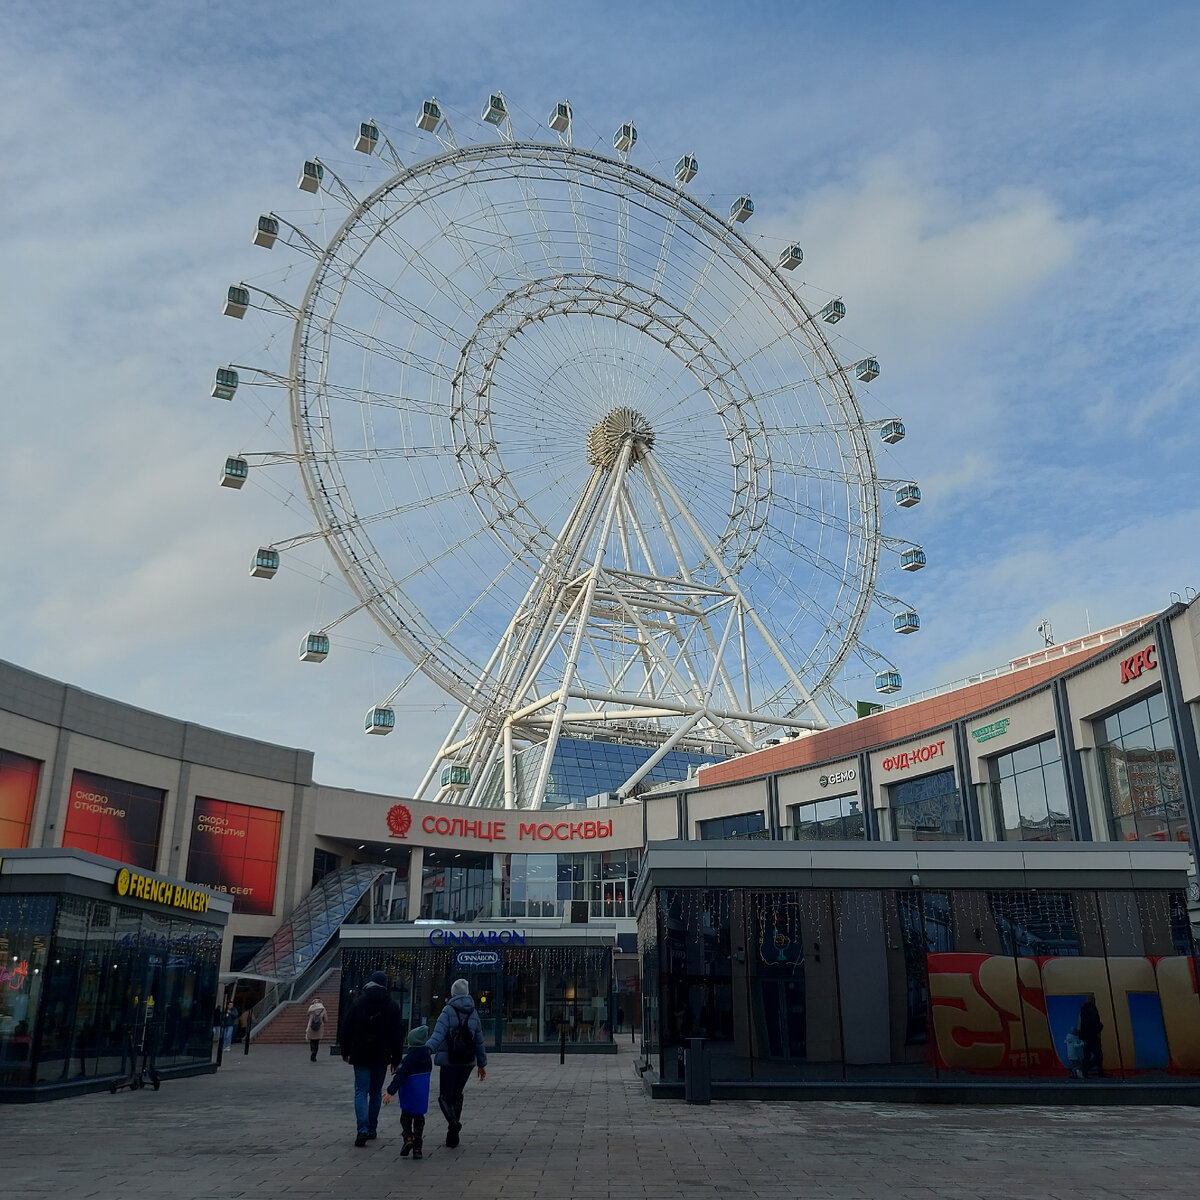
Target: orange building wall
891, 725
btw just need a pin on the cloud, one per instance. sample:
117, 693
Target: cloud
920, 270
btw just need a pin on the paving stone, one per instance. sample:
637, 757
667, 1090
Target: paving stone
274, 1124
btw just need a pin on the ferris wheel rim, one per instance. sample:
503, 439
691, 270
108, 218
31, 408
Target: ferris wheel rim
352, 545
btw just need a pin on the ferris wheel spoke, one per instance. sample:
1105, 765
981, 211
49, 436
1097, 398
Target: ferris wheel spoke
600, 432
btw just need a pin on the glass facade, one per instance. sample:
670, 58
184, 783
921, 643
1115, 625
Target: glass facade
928, 809
751, 825
1142, 783
527, 996
85, 981
885, 983
582, 768
833, 819
556, 885
1029, 794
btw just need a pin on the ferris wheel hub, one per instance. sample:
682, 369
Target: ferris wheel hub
608, 435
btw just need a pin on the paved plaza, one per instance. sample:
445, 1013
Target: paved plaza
274, 1124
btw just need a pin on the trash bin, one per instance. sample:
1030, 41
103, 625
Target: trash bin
697, 1077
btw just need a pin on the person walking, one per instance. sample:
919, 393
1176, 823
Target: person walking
315, 1029
457, 1045
372, 1040
230, 1021
1090, 1027
411, 1080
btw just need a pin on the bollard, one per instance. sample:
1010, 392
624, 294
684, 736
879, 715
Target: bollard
562, 1048
697, 1077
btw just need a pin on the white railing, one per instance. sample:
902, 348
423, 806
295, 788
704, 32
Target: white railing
1090, 641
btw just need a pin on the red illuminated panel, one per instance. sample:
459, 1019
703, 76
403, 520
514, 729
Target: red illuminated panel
114, 818
18, 788
235, 849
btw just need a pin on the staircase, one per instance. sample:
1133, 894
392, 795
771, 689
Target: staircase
287, 1025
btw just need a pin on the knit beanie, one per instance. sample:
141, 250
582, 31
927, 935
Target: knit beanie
460, 987
418, 1036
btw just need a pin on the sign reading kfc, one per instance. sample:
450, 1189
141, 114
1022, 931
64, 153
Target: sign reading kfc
1135, 664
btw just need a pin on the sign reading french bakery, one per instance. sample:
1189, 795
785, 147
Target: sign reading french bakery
159, 891
1135, 664
399, 821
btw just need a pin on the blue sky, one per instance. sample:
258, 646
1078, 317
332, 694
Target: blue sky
1006, 194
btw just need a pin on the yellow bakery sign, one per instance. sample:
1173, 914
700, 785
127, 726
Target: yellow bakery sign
159, 891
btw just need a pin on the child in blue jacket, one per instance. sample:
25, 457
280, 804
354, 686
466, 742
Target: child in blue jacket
411, 1080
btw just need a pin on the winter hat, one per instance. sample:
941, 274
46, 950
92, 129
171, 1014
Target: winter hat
379, 978
418, 1036
460, 987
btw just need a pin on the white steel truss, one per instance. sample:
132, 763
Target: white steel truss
627, 643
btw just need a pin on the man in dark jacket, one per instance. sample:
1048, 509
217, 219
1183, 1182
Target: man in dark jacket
457, 1046
1090, 1028
372, 1040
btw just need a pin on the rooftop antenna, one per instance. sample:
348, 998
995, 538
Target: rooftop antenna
1046, 631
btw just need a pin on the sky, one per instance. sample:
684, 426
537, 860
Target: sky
1005, 194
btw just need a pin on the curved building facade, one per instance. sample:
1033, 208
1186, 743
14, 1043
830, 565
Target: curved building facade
1092, 742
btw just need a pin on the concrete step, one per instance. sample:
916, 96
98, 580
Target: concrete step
287, 1026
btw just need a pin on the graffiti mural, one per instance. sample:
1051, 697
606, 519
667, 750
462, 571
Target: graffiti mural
995, 1013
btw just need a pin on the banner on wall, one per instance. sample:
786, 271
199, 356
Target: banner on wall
235, 849
18, 790
114, 818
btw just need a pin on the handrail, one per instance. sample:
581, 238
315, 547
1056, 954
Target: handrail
299, 988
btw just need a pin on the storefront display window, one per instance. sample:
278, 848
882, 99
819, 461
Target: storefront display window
1141, 773
525, 994
25, 925
81, 976
917, 983
1029, 793
928, 809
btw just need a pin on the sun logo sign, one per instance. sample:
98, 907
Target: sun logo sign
399, 820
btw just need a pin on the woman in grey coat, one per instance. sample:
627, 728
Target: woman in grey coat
457, 1045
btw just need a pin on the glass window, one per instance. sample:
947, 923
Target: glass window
1029, 794
25, 924
928, 809
1140, 770
838, 818
742, 825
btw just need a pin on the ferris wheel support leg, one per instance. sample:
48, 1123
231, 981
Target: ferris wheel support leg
510, 785
652, 467
661, 509
661, 753
617, 478
689, 724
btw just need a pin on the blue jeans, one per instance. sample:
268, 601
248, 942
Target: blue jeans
368, 1096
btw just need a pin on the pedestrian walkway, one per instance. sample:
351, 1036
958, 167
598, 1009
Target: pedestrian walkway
273, 1124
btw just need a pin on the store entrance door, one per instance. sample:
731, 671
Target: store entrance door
488, 1005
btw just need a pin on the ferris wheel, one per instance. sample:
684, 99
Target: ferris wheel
586, 455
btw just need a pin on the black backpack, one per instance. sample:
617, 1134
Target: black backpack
460, 1041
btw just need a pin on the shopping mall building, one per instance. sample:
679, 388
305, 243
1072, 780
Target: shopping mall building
930, 892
